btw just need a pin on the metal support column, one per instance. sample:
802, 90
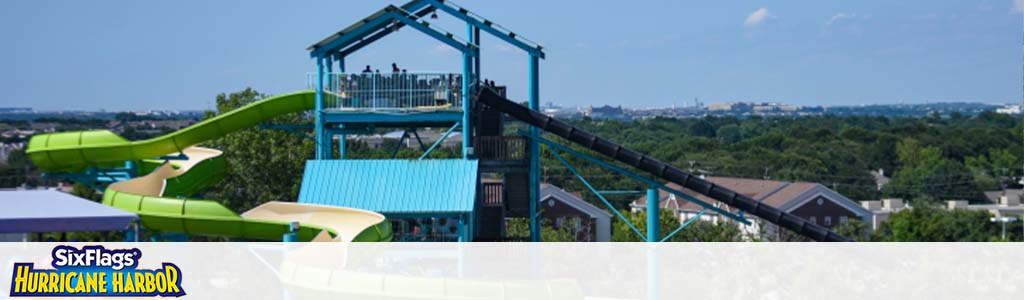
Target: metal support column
328, 139
293, 233
534, 153
476, 55
342, 138
462, 229
652, 215
132, 167
423, 147
318, 112
342, 143
401, 141
330, 69
466, 132
135, 230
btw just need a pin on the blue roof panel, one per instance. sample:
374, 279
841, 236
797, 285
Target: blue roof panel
392, 186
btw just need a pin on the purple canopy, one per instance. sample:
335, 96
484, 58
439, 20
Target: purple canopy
31, 211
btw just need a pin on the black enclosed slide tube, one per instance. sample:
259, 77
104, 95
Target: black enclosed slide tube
658, 168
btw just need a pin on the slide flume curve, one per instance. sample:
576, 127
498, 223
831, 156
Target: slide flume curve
156, 197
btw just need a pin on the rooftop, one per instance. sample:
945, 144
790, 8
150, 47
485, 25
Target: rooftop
778, 194
29, 211
392, 186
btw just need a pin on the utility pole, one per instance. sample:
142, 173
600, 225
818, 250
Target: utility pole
1004, 220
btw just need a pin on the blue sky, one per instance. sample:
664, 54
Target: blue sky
138, 55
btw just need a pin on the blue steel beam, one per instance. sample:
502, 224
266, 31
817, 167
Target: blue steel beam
386, 119
410, 6
418, 139
341, 63
343, 130
607, 192
640, 178
534, 151
486, 26
653, 226
366, 42
466, 142
94, 175
399, 146
382, 22
423, 26
472, 61
287, 126
599, 196
368, 26
380, 34
342, 146
685, 224
439, 141
291, 128
319, 108
476, 56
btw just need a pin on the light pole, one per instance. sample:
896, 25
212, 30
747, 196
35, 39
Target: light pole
1004, 220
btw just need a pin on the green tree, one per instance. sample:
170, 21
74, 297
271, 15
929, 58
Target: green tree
854, 229
996, 170
911, 154
925, 172
520, 228
702, 128
729, 133
262, 165
707, 231
86, 192
698, 231
858, 134
930, 223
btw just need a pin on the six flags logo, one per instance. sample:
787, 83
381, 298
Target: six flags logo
96, 271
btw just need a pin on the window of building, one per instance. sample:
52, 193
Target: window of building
813, 220
828, 220
843, 219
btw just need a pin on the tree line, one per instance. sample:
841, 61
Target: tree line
929, 159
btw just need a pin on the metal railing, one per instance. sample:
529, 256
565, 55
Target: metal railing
390, 91
506, 147
494, 194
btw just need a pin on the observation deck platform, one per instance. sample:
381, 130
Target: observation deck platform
391, 99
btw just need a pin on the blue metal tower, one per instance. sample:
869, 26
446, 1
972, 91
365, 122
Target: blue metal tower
359, 102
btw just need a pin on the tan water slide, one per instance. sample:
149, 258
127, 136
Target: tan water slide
193, 216
160, 197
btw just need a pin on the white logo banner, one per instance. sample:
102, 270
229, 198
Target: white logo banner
521, 270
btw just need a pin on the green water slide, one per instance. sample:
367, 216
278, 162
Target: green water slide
158, 195
74, 151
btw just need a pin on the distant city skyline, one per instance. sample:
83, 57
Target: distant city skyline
546, 104
132, 56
